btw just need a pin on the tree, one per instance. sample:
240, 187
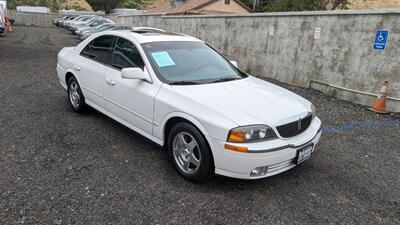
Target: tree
105, 5
133, 4
330, 4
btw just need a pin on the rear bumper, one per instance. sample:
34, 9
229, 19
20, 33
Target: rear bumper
277, 155
61, 76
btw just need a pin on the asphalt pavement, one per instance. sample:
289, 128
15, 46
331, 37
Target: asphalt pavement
59, 167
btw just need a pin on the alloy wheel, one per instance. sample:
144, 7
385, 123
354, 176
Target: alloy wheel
74, 96
186, 153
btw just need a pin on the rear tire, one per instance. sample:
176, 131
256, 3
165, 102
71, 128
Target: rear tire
190, 153
75, 96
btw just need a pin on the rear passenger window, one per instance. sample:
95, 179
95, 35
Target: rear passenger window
126, 55
100, 49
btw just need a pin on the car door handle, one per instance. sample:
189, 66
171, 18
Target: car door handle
76, 67
110, 82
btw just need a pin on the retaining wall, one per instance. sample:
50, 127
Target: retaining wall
36, 19
341, 62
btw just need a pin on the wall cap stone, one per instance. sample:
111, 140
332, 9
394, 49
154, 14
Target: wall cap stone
302, 13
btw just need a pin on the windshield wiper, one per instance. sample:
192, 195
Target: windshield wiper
184, 83
224, 79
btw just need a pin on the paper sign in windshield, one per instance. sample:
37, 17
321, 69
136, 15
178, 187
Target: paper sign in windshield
163, 59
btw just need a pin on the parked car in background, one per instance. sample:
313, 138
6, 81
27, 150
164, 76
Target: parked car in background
2, 27
78, 19
103, 27
122, 28
83, 22
90, 25
70, 20
62, 22
2, 17
174, 89
59, 21
56, 21
93, 26
117, 27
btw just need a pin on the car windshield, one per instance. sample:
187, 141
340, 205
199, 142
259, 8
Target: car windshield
95, 24
184, 62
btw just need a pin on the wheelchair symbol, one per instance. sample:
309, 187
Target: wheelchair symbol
381, 38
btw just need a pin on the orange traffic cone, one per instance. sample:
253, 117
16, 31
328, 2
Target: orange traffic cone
379, 104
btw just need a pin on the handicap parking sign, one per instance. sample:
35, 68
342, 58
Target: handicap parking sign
381, 38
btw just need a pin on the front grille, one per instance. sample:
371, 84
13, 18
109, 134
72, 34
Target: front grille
292, 129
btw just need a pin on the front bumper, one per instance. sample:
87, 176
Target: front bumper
278, 155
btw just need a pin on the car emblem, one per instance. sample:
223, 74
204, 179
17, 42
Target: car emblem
299, 124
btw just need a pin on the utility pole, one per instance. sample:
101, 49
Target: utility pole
254, 5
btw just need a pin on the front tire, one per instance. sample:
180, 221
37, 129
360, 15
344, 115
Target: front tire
190, 153
75, 96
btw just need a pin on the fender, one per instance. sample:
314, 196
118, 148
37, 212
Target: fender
73, 74
159, 129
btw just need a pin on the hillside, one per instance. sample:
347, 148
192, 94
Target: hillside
75, 4
152, 3
55, 5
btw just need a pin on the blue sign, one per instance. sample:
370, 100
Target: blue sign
381, 38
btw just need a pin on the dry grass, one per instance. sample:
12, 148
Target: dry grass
76, 3
84, 5
371, 4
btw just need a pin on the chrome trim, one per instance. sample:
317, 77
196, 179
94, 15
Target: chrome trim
286, 146
293, 119
280, 166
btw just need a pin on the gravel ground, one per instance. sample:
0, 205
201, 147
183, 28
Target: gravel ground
58, 167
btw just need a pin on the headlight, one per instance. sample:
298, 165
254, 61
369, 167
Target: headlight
313, 110
252, 133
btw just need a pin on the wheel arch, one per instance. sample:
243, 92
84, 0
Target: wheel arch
68, 75
175, 118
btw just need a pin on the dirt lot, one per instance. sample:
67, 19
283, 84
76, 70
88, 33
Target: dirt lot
58, 167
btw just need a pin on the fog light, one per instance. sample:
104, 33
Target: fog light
259, 171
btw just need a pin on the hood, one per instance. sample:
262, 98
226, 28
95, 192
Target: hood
248, 101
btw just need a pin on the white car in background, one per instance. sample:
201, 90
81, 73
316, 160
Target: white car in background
103, 27
180, 93
2, 27
76, 20
91, 26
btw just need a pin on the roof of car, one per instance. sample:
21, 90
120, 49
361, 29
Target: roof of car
146, 35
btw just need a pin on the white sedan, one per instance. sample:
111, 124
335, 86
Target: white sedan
182, 94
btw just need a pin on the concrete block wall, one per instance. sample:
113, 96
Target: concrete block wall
341, 62
35, 19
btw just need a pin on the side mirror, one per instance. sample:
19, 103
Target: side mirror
135, 73
234, 63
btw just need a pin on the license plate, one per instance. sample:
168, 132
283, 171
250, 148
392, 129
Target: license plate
303, 154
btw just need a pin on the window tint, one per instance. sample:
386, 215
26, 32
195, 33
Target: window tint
100, 49
126, 55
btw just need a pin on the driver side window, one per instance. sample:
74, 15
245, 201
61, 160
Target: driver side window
100, 49
126, 55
